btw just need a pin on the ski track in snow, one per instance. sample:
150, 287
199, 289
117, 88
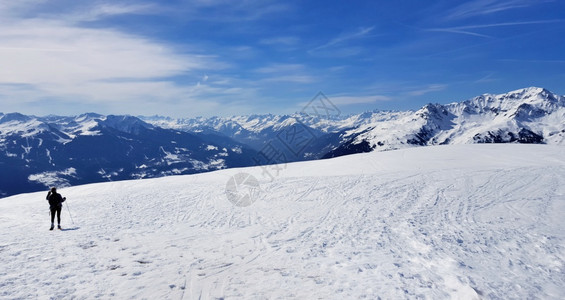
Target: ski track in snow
479, 229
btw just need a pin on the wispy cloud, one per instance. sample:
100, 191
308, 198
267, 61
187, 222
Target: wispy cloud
487, 78
536, 61
225, 11
457, 31
359, 33
419, 91
281, 68
485, 7
35, 49
73, 11
342, 100
281, 40
351, 100
465, 29
291, 78
281, 43
295, 73
476, 26
104, 10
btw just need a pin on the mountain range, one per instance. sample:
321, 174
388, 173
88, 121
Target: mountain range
44, 151
36, 152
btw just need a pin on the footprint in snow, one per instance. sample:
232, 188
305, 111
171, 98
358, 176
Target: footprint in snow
143, 262
88, 245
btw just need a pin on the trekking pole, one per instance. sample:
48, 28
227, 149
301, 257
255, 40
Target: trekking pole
69, 212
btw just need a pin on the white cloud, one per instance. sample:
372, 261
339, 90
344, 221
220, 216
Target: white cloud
487, 78
231, 11
295, 73
291, 78
486, 7
112, 9
50, 52
345, 100
464, 29
350, 100
280, 41
60, 62
427, 89
63, 61
359, 33
281, 68
452, 30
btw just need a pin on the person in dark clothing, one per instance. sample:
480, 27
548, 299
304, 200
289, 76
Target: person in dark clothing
55, 205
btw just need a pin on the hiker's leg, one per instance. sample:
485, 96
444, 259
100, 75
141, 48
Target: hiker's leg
53, 210
59, 215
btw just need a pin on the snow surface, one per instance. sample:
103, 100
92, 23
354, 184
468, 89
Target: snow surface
461, 221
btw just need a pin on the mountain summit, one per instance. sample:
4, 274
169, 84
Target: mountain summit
530, 115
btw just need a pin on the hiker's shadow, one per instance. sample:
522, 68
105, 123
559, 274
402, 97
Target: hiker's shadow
70, 229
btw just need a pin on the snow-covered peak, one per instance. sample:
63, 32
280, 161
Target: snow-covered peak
127, 124
89, 117
530, 115
432, 111
511, 101
529, 92
22, 125
81, 125
14, 117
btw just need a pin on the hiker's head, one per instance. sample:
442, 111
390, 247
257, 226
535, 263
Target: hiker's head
53, 189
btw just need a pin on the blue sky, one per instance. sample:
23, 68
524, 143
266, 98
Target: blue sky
219, 57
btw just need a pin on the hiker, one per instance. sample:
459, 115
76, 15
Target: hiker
55, 205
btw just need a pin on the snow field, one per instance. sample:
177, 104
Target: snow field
467, 222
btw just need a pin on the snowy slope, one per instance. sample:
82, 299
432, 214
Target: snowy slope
465, 221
